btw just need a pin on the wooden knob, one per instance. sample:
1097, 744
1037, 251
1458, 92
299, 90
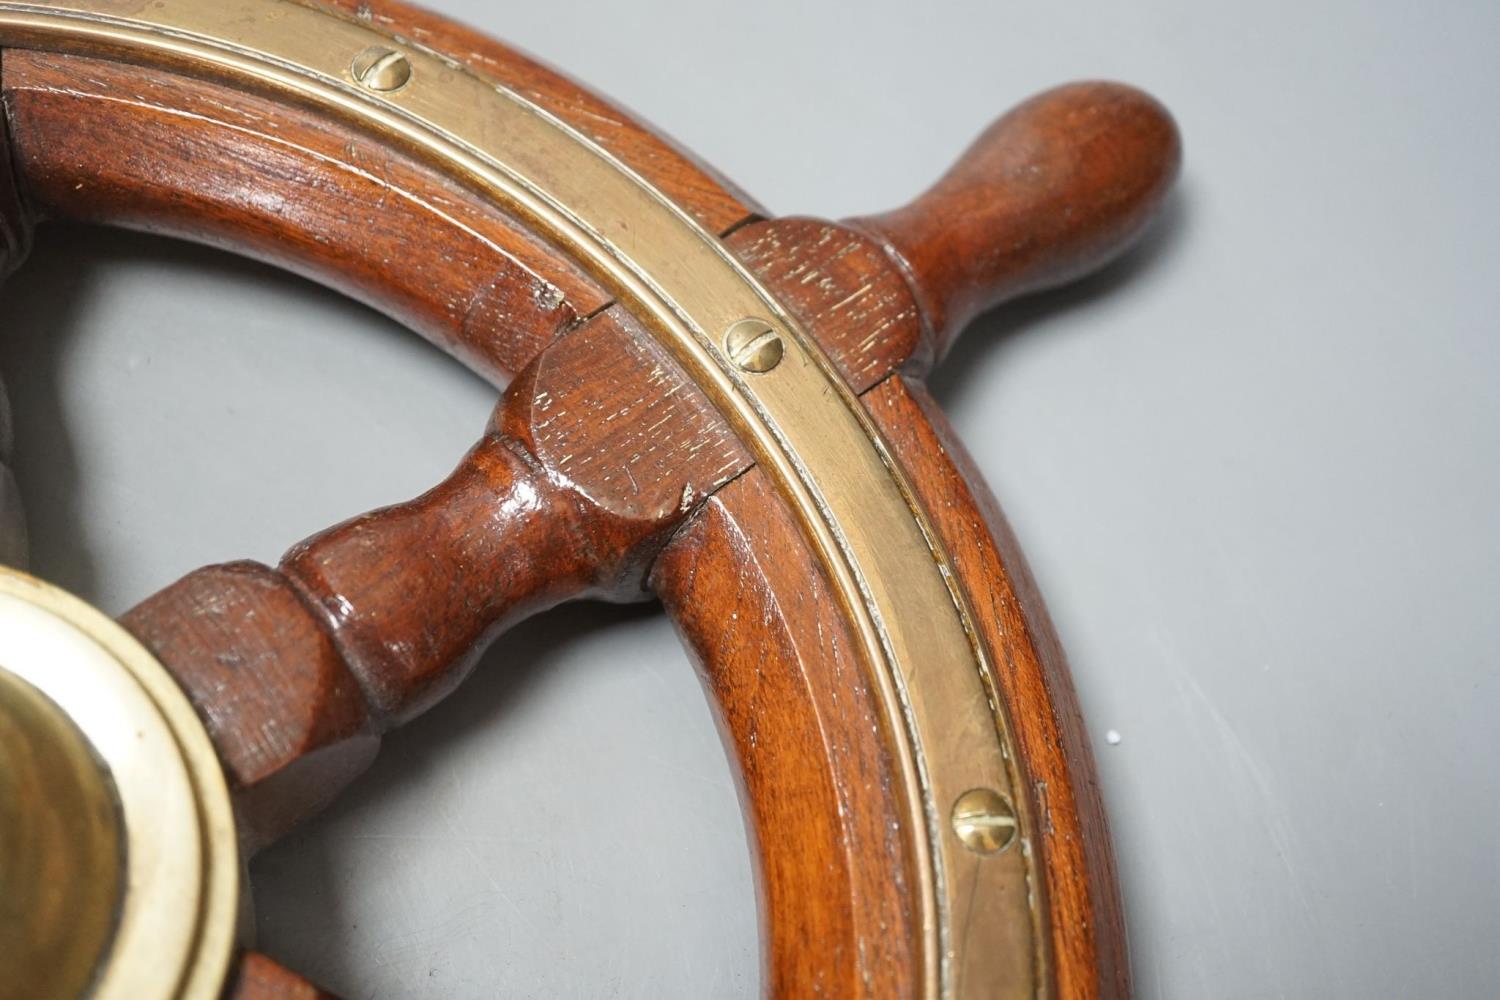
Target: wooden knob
1051, 191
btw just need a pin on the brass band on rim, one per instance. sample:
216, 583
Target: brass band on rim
781, 393
143, 810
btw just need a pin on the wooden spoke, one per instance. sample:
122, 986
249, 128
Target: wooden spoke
1051, 191
573, 488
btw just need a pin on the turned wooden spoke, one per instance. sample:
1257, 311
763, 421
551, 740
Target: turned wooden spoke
298, 669
1050, 192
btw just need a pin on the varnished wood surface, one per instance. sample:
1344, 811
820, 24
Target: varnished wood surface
1086, 918
606, 473
799, 709
257, 977
595, 454
1049, 192
287, 716
781, 665
237, 171
857, 305
715, 202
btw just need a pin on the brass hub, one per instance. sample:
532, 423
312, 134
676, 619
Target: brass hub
119, 867
61, 847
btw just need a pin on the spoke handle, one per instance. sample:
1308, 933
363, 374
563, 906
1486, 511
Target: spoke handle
1054, 189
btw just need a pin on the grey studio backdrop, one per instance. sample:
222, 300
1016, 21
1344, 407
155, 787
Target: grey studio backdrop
1254, 468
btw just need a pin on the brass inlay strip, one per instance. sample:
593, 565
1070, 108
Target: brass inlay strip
979, 911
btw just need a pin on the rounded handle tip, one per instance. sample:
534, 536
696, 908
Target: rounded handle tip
1052, 190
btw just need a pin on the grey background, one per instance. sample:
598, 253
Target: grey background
1254, 468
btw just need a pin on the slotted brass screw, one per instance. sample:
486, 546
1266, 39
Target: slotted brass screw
381, 69
985, 821
754, 345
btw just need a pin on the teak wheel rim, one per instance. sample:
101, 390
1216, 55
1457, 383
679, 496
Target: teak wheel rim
311, 585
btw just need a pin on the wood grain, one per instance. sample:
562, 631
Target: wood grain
288, 718
798, 707
705, 194
240, 172
596, 453
843, 287
1084, 912
1052, 190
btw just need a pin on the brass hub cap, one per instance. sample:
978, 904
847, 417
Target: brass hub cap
60, 846
119, 869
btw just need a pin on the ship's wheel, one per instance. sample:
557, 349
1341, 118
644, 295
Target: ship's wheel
706, 405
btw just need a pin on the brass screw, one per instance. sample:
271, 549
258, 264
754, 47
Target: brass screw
985, 821
754, 345
381, 69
